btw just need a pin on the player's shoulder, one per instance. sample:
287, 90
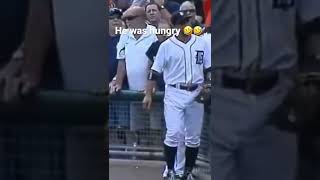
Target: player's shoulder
199, 39
206, 36
168, 42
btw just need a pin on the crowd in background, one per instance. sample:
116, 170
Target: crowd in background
200, 10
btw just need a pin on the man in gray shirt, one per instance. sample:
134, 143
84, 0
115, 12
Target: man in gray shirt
254, 54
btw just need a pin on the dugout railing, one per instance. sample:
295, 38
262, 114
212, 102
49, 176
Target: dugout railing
54, 135
145, 142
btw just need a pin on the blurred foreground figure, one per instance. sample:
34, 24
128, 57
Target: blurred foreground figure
255, 57
32, 34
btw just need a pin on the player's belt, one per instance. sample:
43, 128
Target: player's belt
185, 87
254, 85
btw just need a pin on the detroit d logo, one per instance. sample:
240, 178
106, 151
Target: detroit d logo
283, 4
199, 57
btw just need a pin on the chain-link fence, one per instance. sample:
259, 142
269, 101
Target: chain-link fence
135, 133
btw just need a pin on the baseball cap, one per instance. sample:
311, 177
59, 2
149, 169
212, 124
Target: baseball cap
115, 12
179, 18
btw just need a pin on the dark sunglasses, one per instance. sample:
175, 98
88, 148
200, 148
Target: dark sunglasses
129, 18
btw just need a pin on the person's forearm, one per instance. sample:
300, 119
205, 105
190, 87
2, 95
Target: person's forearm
121, 72
38, 36
207, 74
150, 86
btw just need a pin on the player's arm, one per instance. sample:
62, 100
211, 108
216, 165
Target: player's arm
39, 35
207, 64
154, 75
152, 81
151, 53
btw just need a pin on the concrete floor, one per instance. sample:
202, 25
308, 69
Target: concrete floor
138, 170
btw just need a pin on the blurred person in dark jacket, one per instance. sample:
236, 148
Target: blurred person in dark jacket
30, 27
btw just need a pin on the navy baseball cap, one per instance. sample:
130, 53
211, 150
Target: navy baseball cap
115, 12
179, 18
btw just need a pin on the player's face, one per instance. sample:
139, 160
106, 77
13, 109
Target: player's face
153, 13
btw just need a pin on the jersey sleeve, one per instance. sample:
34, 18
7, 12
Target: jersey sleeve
159, 62
121, 53
207, 56
152, 51
308, 10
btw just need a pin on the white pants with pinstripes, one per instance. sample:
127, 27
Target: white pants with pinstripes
183, 117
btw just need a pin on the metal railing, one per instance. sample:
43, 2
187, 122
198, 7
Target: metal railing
135, 133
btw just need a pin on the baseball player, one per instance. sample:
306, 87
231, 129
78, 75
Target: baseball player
151, 53
180, 158
184, 60
255, 53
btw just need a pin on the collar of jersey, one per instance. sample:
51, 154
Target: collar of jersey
148, 28
175, 40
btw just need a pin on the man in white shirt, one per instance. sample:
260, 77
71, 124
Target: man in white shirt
133, 63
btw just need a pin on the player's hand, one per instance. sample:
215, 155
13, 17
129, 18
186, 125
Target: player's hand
18, 87
29, 83
9, 80
147, 102
114, 87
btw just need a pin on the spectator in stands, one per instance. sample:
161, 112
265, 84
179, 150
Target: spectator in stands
153, 13
114, 22
167, 5
133, 63
122, 4
157, 9
189, 9
171, 6
117, 119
